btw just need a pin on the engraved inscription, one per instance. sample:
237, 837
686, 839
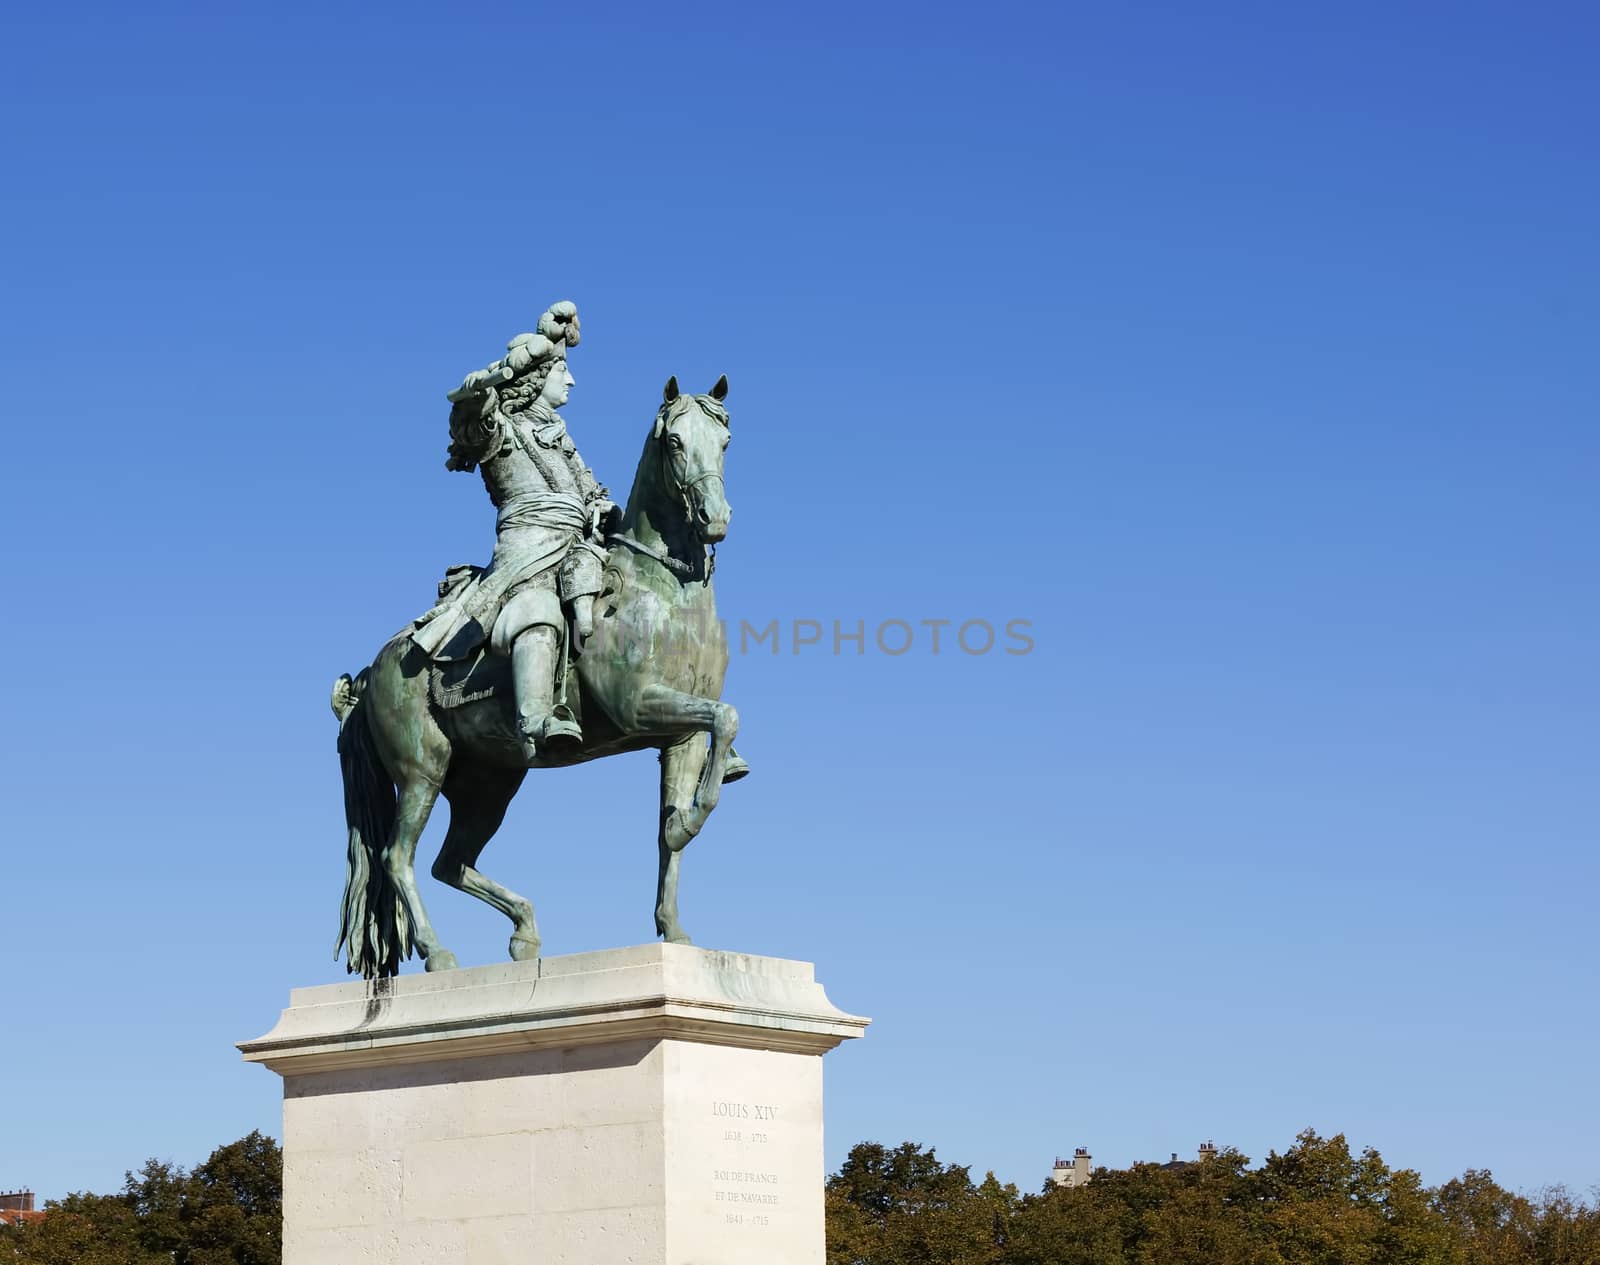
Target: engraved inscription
745, 1186
743, 1110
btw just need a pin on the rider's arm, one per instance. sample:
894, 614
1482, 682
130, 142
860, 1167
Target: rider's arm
476, 430
595, 495
590, 487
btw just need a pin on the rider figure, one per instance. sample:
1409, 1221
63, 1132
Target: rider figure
552, 510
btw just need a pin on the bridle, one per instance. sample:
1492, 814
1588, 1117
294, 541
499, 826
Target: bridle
690, 505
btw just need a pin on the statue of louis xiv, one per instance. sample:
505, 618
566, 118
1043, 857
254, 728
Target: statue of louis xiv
551, 515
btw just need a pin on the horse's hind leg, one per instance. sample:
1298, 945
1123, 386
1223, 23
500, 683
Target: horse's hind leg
477, 807
416, 801
681, 768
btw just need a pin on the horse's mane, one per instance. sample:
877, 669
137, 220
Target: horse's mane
711, 407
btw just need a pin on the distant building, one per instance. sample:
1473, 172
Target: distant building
1075, 1172
16, 1207
1208, 1151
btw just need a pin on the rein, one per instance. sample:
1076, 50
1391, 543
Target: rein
675, 565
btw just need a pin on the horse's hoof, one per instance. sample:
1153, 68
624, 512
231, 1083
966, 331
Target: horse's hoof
736, 767
441, 960
524, 949
681, 937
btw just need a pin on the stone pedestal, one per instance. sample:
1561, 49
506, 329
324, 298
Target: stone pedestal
658, 1105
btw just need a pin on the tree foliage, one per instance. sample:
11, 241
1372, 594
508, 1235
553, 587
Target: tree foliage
1315, 1204
904, 1207
227, 1211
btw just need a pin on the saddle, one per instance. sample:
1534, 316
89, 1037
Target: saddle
487, 674
457, 682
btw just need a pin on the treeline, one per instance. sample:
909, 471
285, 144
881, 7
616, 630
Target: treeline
1316, 1204
227, 1211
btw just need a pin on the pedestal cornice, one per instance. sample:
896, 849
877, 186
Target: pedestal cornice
647, 991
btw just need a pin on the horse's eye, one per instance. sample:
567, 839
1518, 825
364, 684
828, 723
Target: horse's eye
676, 441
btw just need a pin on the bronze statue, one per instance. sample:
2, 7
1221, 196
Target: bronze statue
591, 632
550, 509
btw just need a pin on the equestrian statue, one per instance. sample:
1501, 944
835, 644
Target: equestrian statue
592, 631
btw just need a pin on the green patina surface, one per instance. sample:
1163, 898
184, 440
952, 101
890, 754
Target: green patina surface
592, 631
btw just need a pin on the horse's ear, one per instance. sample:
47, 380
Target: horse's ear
670, 392
720, 391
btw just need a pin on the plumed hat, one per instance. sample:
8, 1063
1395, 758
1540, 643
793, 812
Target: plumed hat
558, 330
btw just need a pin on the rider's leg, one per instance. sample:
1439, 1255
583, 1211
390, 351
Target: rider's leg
534, 656
583, 614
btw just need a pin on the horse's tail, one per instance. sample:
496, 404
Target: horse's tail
373, 927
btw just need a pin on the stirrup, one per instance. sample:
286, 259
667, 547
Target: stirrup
558, 734
560, 728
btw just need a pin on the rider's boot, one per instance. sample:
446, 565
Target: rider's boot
546, 727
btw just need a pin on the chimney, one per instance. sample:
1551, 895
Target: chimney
1208, 1150
1080, 1166
16, 1201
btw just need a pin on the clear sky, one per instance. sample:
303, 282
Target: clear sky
1247, 351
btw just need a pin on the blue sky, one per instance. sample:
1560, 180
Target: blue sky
1245, 351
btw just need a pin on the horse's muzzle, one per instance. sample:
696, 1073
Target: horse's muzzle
711, 512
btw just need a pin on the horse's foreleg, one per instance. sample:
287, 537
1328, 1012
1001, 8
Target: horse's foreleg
662, 707
681, 765
477, 807
416, 801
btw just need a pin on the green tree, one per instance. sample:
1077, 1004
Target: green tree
1318, 1203
1567, 1230
233, 1205
905, 1207
1324, 1206
1068, 1227
1211, 1215
228, 1211
155, 1195
1494, 1226
82, 1229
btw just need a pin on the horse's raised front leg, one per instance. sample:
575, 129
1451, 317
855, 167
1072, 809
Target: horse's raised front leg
416, 801
681, 766
477, 807
662, 707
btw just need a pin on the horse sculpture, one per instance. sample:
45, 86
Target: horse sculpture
650, 676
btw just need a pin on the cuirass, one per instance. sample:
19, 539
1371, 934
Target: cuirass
524, 464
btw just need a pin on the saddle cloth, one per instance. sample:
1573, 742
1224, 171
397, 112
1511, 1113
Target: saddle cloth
461, 681
458, 682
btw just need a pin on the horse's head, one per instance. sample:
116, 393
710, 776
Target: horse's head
691, 433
